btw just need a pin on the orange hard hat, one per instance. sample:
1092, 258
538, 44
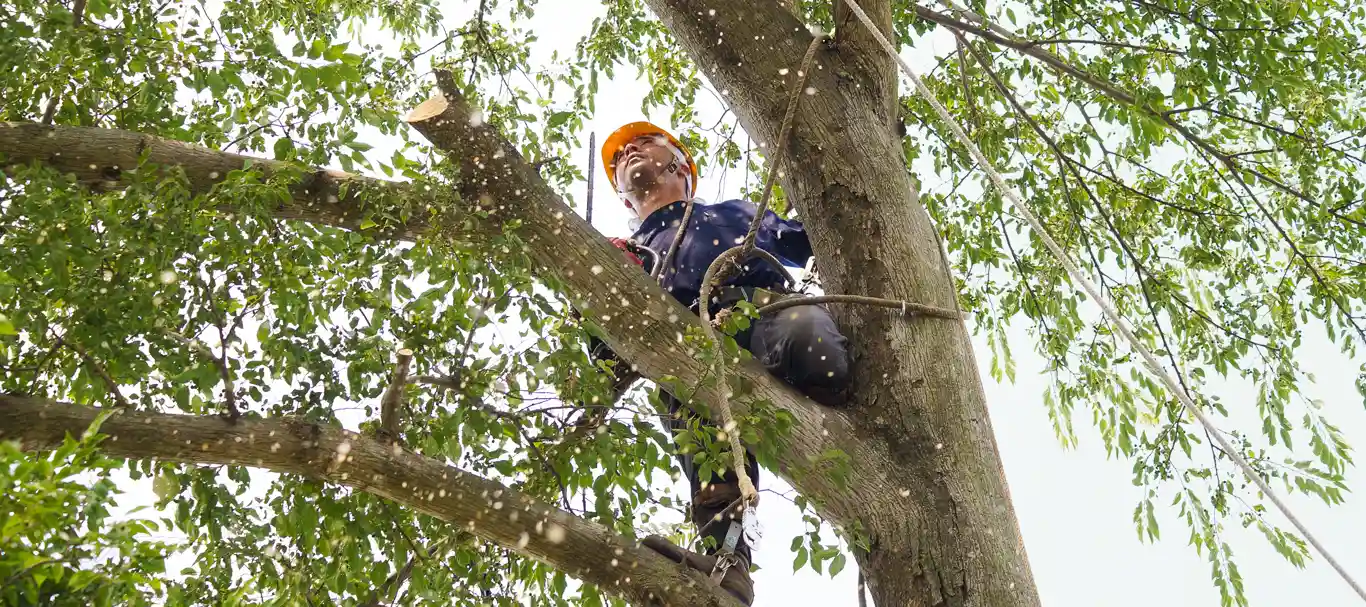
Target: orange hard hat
624, 135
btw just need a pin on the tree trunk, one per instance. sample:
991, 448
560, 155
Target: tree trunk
945, 533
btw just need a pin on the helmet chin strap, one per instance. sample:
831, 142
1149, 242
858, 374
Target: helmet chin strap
672, 168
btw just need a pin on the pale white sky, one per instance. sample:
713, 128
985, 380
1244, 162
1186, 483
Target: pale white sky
1074, 506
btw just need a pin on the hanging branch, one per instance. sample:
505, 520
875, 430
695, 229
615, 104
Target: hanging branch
1004, 37
290, 445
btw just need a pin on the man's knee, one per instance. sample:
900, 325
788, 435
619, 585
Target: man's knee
819, 352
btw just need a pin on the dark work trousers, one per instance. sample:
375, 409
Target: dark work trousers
800, 345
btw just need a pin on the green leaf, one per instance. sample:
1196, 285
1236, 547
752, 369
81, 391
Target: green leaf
6, 327
837, 564
558, 119
284, 149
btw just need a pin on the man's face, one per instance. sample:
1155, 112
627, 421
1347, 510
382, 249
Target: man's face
641, 162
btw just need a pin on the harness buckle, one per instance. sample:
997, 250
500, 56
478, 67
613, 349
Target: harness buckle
747, 525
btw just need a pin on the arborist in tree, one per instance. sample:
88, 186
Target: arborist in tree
656, 177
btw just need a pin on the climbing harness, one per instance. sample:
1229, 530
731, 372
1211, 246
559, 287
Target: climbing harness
1109, 311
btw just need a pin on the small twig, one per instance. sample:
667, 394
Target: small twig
393, 395
544, 161
448, 38
219, 362
445, 383
1137, 47
99, 369
514, 418
963, 79
862, 590
23, 572
229, 389
545, 463
396, 581
42, 363
479, 33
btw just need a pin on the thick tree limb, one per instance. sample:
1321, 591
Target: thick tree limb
100, 157
489, 510
109, 383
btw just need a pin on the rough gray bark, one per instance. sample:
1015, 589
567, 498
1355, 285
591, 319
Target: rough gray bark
488, 510
954, 539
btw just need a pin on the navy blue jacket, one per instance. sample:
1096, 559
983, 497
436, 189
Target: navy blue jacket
711, 230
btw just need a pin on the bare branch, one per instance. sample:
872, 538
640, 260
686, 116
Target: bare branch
77, 19
393, 395
1111, 43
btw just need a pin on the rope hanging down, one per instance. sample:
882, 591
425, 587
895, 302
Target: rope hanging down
1110, 313
718, 270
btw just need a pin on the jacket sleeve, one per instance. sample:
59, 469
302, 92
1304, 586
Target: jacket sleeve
789, 238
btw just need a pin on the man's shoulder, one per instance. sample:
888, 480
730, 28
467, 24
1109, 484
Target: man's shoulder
735, 205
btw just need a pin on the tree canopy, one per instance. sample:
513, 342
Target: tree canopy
1202, 159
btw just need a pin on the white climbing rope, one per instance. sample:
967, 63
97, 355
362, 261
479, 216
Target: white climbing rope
1105, 306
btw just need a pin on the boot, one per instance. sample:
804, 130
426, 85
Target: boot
712, 515
736, 580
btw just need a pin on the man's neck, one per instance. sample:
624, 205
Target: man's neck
658, 199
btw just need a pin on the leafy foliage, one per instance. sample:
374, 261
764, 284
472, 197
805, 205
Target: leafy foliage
1223, 241
60, 543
